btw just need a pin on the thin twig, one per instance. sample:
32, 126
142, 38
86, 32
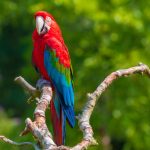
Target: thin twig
3, 138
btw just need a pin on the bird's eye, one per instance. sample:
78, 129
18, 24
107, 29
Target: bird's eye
48, 19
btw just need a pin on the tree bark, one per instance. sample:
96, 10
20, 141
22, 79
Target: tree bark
38, 127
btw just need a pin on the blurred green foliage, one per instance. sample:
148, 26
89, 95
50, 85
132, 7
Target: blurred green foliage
102, 36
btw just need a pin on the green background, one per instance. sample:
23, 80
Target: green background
102, 36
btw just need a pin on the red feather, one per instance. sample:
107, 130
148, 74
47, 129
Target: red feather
57, 125
53, 39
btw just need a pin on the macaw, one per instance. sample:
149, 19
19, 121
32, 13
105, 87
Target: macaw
51, 59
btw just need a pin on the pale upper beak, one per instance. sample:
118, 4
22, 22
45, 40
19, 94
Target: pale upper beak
39, 24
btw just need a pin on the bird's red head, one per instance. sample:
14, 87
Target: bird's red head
44, 14
43, 22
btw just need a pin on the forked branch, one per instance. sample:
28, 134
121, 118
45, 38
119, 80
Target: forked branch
38, 127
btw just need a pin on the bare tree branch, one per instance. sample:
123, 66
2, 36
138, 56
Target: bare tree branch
3, 138
38, 127
84, 117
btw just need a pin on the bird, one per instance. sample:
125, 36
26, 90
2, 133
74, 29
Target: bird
51, 59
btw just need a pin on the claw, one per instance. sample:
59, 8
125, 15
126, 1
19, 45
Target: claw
30, 100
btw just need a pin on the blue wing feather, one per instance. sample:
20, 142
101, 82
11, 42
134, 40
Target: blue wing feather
63, 89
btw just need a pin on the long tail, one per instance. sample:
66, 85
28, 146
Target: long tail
59, 115
57, 124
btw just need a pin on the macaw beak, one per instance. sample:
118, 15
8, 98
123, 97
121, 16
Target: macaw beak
39, 24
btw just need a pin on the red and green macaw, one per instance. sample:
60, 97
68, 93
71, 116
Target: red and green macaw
51, 59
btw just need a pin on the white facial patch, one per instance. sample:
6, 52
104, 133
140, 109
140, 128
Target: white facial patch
48, 22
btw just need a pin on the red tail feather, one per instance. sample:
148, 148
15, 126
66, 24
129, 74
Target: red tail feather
57, 125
